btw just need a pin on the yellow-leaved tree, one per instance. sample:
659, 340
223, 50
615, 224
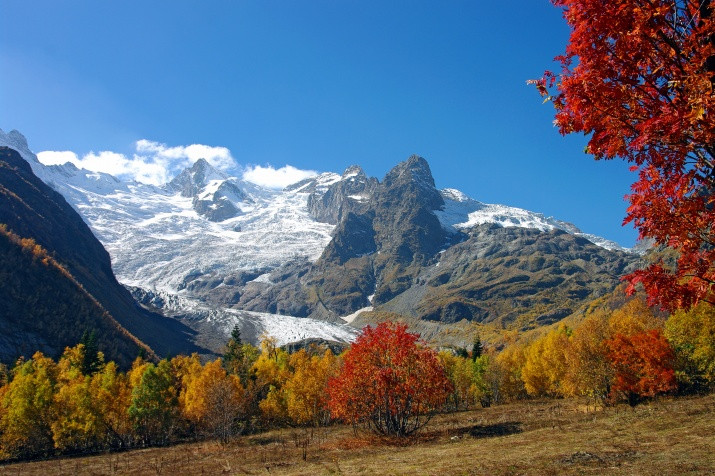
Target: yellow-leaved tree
25, 428
545, 363
111, 396
77, 422
212, 401
306, 389
271, 372
692, 335
589, 372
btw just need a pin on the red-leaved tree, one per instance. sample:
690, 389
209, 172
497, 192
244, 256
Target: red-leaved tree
390, 381
637, 78
643, 365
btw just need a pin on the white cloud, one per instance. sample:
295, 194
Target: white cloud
219, 157
58, 157
153, 162
271, 177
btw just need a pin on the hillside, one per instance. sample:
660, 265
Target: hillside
45, 309
32, 210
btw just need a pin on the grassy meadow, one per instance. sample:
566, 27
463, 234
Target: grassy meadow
667, 436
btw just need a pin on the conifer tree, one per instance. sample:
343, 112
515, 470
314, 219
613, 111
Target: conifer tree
90, 360
477, 348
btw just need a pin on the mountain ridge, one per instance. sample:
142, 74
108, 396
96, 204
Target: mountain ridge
328, 246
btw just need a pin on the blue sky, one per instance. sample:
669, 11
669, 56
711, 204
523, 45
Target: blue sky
319, 85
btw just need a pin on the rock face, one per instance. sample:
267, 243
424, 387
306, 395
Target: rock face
31, 209
214, 194
406, 227
513, 277
392, 252
351, 194
380, 251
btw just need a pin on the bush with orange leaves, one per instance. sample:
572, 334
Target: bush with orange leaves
390, 381
643, 365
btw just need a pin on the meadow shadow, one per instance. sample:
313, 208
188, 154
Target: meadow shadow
496, 429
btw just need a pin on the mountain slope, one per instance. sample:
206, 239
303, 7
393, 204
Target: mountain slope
439, 256
31, 209
44, 308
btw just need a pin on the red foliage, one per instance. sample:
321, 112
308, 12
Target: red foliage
389, 380
643, 365
637, 77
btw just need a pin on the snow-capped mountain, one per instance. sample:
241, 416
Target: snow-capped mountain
461, 212
218, 241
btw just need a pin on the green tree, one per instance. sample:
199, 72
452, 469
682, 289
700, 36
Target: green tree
91, 360
477, 348
154, 405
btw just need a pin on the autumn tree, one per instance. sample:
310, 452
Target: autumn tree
505, 371
212, 400
545, 363
306, 389
389, 381
270, 373
692, 335
460, 378
25, 428
588, 369
467, 379
77, 423
111, 396
643, 365
637, 79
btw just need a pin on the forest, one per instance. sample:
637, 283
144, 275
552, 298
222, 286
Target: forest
388, 382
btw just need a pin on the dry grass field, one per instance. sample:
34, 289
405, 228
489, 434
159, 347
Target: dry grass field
667, 437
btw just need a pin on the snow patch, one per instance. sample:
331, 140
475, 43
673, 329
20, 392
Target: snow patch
264, 278
351, 317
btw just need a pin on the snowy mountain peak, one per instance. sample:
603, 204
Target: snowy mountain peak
215, 195
195, 178
461, 212
319, 183
454, 195
353, 171
15, 140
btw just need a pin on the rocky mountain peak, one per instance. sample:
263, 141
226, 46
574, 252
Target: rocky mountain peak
351, 193
214, 195
15, 140
353, 171
411, 183
415, 169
